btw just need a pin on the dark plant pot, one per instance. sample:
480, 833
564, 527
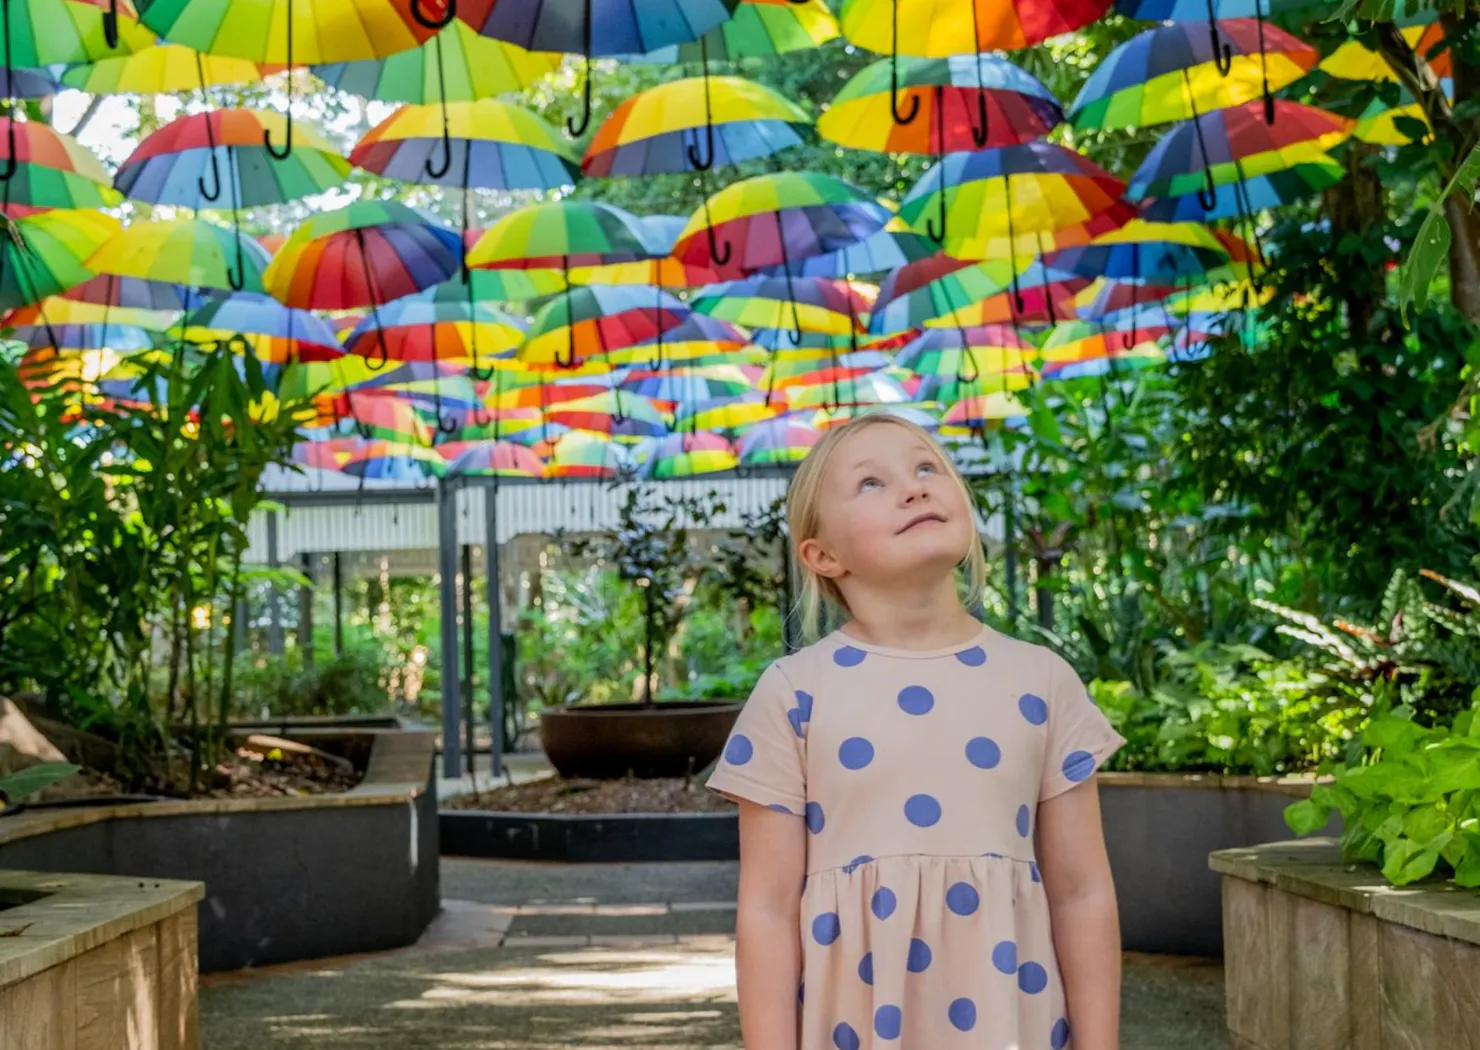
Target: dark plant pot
610, 741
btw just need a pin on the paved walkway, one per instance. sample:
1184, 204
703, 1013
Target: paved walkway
597, 957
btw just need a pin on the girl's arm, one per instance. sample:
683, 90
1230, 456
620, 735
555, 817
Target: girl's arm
1081, 905
768, 949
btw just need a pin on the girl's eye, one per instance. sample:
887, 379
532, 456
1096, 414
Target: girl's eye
926, 467
868, 483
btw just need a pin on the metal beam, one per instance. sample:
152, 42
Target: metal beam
494, 589
305, 610
447, 568
338, 607
470, 720
274, 599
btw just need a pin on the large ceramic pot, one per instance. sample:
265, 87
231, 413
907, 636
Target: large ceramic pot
609, 741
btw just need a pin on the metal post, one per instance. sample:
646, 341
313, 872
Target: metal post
447, 568
495, 627
338, 607
305, 610
1009, 546
274, 599
470, 721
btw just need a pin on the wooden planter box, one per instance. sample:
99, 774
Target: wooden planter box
1323, 955
97, 961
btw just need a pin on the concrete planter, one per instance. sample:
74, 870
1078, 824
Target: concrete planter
95, 961
581, 839
1323, 955
286, 878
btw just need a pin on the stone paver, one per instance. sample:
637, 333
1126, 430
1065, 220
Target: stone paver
596, 957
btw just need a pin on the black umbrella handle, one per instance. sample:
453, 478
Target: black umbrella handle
287, 148
699, 162
1222, 53
578, 128
436, 171
214, 193
979, 135
429, 21
939, 235
914, 111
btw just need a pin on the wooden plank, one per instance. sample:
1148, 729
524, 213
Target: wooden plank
178, 1002
36, 1013
116, 994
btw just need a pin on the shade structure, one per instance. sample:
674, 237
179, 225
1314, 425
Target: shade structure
287, 32
935, 28
804, 304
484, 144
770, 220
756, 29
685, 455
43, 168
962, 102
562, 234
455, 65
1015, 202
160, 68
780, 441
364, 254
590, 321
276, 333
189, 252
1173, 72
432, 326
220, 159
499, 459
597, 27
694, 124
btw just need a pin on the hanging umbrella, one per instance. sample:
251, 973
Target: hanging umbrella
364, 254
560, 235
778, 441
698, 336
1105, 296
981, 412
873, 388
926, 417
611, 412
276, 333
62, 32
685, 455
590, 321
890, 248
1246, 198
935, 28
1175, 72
43, 168
393, 461
159, 69
57, 335
803, 304
455, 65
375, 414
1354, 61
683, 384
498, 459
33, 84
731, 416
430, 326
484, 144
965, 353
65, 309
933, 287
1040, 294
757, 29
111, 290
1145, 251
189, 252
580, 454
594, 28
694, 125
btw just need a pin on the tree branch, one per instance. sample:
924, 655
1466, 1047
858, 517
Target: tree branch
87, 114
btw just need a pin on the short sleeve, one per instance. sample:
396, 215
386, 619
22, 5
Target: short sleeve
764, 758
1080, 738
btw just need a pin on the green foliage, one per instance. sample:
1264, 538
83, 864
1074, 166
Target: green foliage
1411, 803
17, 786
352, 683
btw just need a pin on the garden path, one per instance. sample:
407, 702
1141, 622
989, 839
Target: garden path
596, 957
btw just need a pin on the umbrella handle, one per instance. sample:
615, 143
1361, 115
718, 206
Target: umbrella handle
8, 171
431, 23
110, 25
1222, 53
214, 193
696, 160
483, 375
267, 134
237, 277
900, 118
940, 134
1207, 193
720, 258
578, 129
436, 171
980, 135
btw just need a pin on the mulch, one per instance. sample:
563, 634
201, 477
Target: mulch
555, 794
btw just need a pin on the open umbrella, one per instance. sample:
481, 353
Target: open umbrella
159, 69
757, 29
432, 326
276, 333
778, 441
189, 252
496, 458
684, 455
43, 168
591, 321
581, 454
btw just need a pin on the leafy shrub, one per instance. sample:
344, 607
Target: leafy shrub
351, 683
1411, 805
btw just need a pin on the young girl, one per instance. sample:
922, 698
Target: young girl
922, 865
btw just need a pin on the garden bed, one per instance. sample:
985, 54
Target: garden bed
632, 795
1326, 954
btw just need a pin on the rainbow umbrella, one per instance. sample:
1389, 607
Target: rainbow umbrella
933, 287
871, 388
374, 414
890, 248
936, 28
925, 416
965, 353
1248, 197
485, 144
983, 411
603, 28
1015, 202
189, 252
590, 321
757, 29
694, 125
43, 168
560, 235
393, 461
684, 455
499, 459
580, 454
506, 286
964, 102
1354, 61
65, 309
777, 441
1175, 72
111, 290
433, 326
802, 304
1038, 294
612, 412
455, 65
677, 385
160, 69
728, 415
1105, 296
699, 336
63, 32
364, 254
30, 83
58, 335
276, 333
500, 424
1158, 252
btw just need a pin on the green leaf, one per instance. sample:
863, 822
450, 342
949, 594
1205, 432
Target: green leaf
32, 779
1405, 860
1306, 817
1430, 250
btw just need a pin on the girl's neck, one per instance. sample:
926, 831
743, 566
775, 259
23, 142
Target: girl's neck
930, 618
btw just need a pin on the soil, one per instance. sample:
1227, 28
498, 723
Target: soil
557, 795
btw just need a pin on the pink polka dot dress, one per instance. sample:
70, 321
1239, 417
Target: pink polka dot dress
924, 922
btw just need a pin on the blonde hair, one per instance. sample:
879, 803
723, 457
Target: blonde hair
804, 519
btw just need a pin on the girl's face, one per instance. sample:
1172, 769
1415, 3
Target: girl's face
891, 513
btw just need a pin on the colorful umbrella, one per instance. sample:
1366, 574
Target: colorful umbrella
29, 83
562, 234
890, 248
1038, 294
686, 384
757, 29
393, 461
1175, 72
934, 287
275, 333
47, 169
160, 69
1145, 251
189, 252
111, 290
729, 415
684, 455
485, 144
611, 412
590, 321
935, 28
434, 325
498, 459
965, 353
697, 337
803, 304
873, 388
580, 454
64, 32
978, 413
694, 125
779, 441
1354, 61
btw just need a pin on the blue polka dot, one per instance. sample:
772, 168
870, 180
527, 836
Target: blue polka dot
856, 863
883, 903
1033, 708
963, 899
1059, 1037
1032, 978
866, 968
798, 723
983, 752
779, 808
923, 811
826, 928
962, 1013
1034, 872
1078, 765
1023, 818
739, 750
888, 1022
1004, 956
855, 753
804, 705
916, 700
816, 819
918, 960
973, 657
845, 1038
848, 656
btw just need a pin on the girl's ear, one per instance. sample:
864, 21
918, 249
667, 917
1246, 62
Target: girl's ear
818, 559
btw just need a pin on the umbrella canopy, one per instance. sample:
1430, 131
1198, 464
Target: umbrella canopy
47, 169
562, 234
892, 247
580, 454
757, 29
779, 441
697, 336
484, 144
63, 32
189, 252
684, 455
433, 326
456, 65
1145, 251
159, 69
966, 352
498, 458
1354, 61
934, 287
935, 28
276, 333
596, 27
366, 253
1245, 198
288, 32
393, 461
693, 125
590, 321
1037, 294
804, 304
609, 412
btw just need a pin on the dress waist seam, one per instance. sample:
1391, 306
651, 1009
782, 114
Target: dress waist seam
855, 864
